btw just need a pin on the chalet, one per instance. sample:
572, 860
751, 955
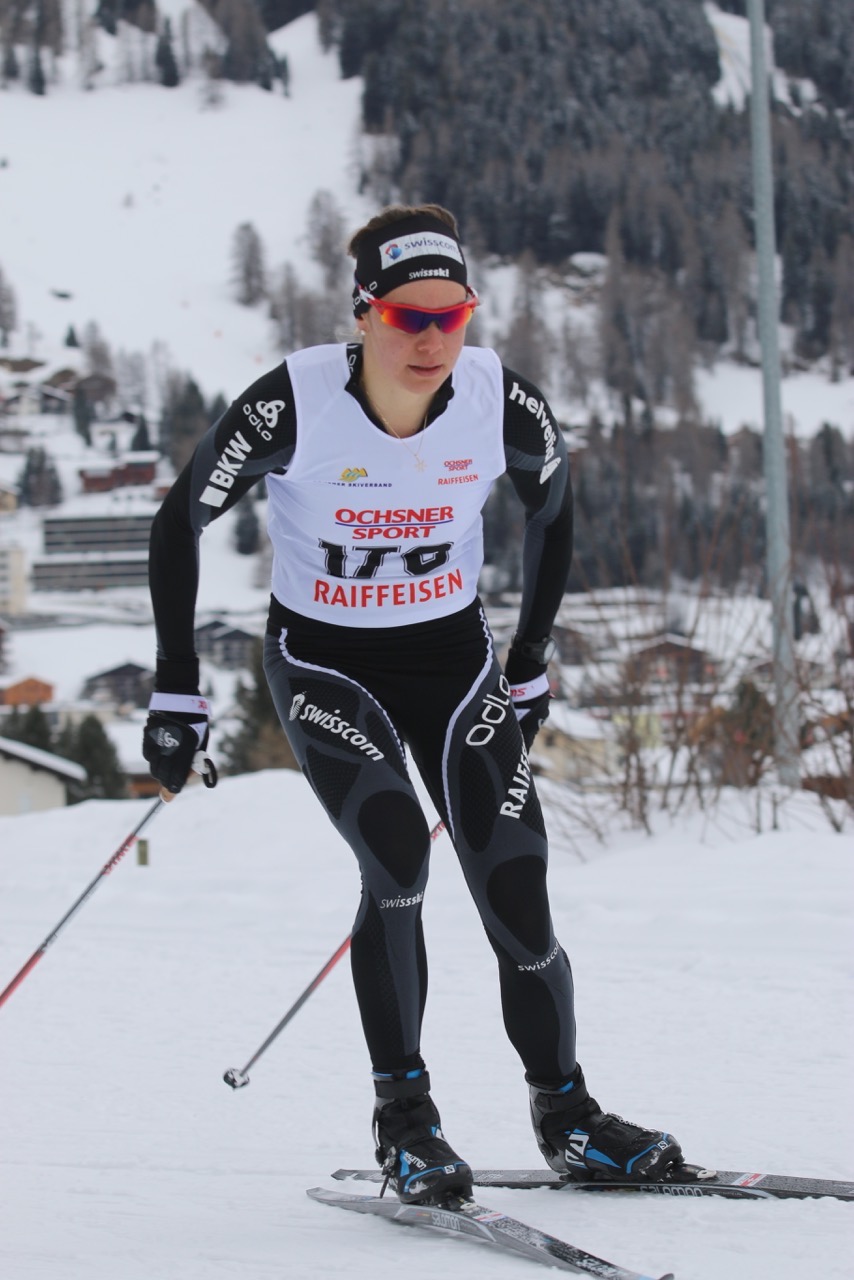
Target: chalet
138, 467
670, 660
32, 780
94, 552
98, 477
106, 533
29, 692
133, 469
126, 685
8, 498
13, 437
20, 364
38, 399
90, 571
63, 380
224, 645
574, 648
97, 388
13, 582
573, 746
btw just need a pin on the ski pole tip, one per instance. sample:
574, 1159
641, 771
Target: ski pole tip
237, 1079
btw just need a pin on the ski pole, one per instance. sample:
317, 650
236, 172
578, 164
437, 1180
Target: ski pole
237, 1077
87, 893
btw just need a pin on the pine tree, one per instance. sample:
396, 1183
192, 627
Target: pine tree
247, 531
37, 82
39, 484
248, 270
164, 58
83, 416
71, 339
94, 750
141, 441
247, 58
11, 68
277, 13
8, 310
259, 741
326, 229
99, 357
30, 727
218, 406
184, 419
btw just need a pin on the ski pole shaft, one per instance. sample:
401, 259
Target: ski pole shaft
75, 907
237, 1077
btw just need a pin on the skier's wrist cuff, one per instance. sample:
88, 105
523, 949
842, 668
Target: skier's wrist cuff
191, 704
530, 689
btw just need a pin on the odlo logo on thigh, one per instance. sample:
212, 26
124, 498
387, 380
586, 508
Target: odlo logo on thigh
493, 712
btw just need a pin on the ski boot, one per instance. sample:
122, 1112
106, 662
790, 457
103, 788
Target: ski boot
581, 1141
416, 1159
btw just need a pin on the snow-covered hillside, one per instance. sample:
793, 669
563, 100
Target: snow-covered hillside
126, 199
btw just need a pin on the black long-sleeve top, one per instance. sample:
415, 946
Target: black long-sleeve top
536, 464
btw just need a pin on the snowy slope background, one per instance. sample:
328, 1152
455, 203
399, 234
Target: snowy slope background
713, 972
127, 198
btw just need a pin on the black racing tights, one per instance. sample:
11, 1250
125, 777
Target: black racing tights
349, 699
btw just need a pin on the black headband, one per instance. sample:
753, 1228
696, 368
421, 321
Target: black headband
417, 247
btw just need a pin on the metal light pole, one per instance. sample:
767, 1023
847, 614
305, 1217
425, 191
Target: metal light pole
779, 559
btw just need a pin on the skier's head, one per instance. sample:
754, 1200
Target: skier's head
402, 244
412, 302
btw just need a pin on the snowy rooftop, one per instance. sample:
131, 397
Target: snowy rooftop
45, 760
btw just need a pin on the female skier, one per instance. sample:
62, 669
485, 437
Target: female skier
379, 456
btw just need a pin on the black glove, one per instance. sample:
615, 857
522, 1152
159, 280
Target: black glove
175, 737
529, 689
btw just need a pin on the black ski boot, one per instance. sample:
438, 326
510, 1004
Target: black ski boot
581, 1141
414, 1156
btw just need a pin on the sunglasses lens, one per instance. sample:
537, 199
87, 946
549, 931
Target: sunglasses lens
407, 320
456, 319
410, 320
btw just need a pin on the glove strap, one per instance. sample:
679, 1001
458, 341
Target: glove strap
531, 689
189, 703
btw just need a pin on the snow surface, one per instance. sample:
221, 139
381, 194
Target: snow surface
712, 968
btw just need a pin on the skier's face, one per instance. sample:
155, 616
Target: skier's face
415, 362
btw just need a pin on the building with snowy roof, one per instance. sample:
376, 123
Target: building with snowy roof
32, 780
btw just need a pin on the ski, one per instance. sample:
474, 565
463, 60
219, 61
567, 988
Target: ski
461, 1217
691, 1180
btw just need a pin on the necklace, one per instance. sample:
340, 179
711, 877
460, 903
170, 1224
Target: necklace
420, 463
